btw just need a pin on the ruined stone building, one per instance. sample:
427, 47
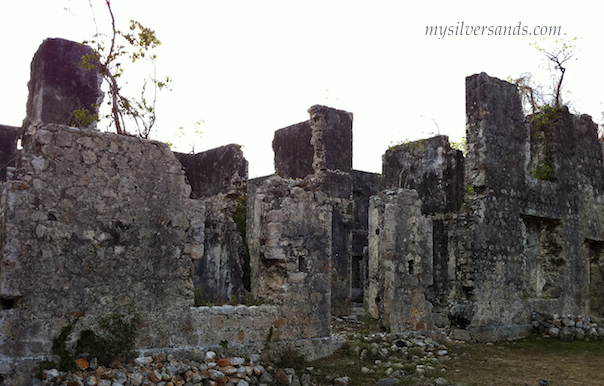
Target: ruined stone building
95, 223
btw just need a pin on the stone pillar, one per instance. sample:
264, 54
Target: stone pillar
59, 85
331, 138
496, 133
320, 150
290, 239
400, 261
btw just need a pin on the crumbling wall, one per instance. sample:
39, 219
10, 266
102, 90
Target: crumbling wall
60, 85
364, 185
436, 171
432, 168
293, 151
400, 261
223, 170
96, 223
290, 240
522, 242
219, 178
92, 223
320, 150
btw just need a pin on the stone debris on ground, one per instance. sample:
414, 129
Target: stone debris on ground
401, 356
568, 327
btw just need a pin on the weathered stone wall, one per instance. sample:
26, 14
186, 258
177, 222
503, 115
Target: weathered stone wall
320, 150
293, 151
95, 223
429, 166
219, 177
364, 186
400, 261
290, 240
59, 85
218, 274
220, 170
331, 138
8, 148
532, 222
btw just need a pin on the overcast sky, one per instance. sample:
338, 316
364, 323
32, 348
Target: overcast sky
248, 68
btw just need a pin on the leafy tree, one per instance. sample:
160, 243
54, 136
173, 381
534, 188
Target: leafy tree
109, 52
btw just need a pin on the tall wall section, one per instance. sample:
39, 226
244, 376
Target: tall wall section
522, 240
95, 223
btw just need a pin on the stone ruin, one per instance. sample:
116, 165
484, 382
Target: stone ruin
95, 223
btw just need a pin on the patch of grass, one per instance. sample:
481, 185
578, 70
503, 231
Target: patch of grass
527, 361
291, 359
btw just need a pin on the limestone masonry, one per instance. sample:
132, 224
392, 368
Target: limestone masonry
486, 246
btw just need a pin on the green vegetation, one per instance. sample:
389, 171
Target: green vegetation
114, 339
417, 145
240, 218
292, 359
541, 171
108, 53
269, 338
461, 145
83, 117
546, 117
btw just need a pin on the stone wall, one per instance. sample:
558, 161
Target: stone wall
400, 261
8, 148
290, 241
432, 168
521, 242
102, 223
59, 85
320, 150
222, 170
94, 223
219, 178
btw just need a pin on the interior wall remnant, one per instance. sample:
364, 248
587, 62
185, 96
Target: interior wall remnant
220, 170
219, 178
400, 261
294, 151
544, 256
596, 277
8, 148
290, 240
429, 166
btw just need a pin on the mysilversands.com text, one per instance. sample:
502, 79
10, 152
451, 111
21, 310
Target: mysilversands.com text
491, 30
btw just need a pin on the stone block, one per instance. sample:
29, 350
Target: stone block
331, 138
59, 85
220, 170
293, 151
429, 166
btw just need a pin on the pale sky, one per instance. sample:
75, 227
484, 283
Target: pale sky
248, 68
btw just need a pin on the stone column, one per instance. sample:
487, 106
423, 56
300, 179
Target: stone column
400, 261
496, 133
290, 239
59, 85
